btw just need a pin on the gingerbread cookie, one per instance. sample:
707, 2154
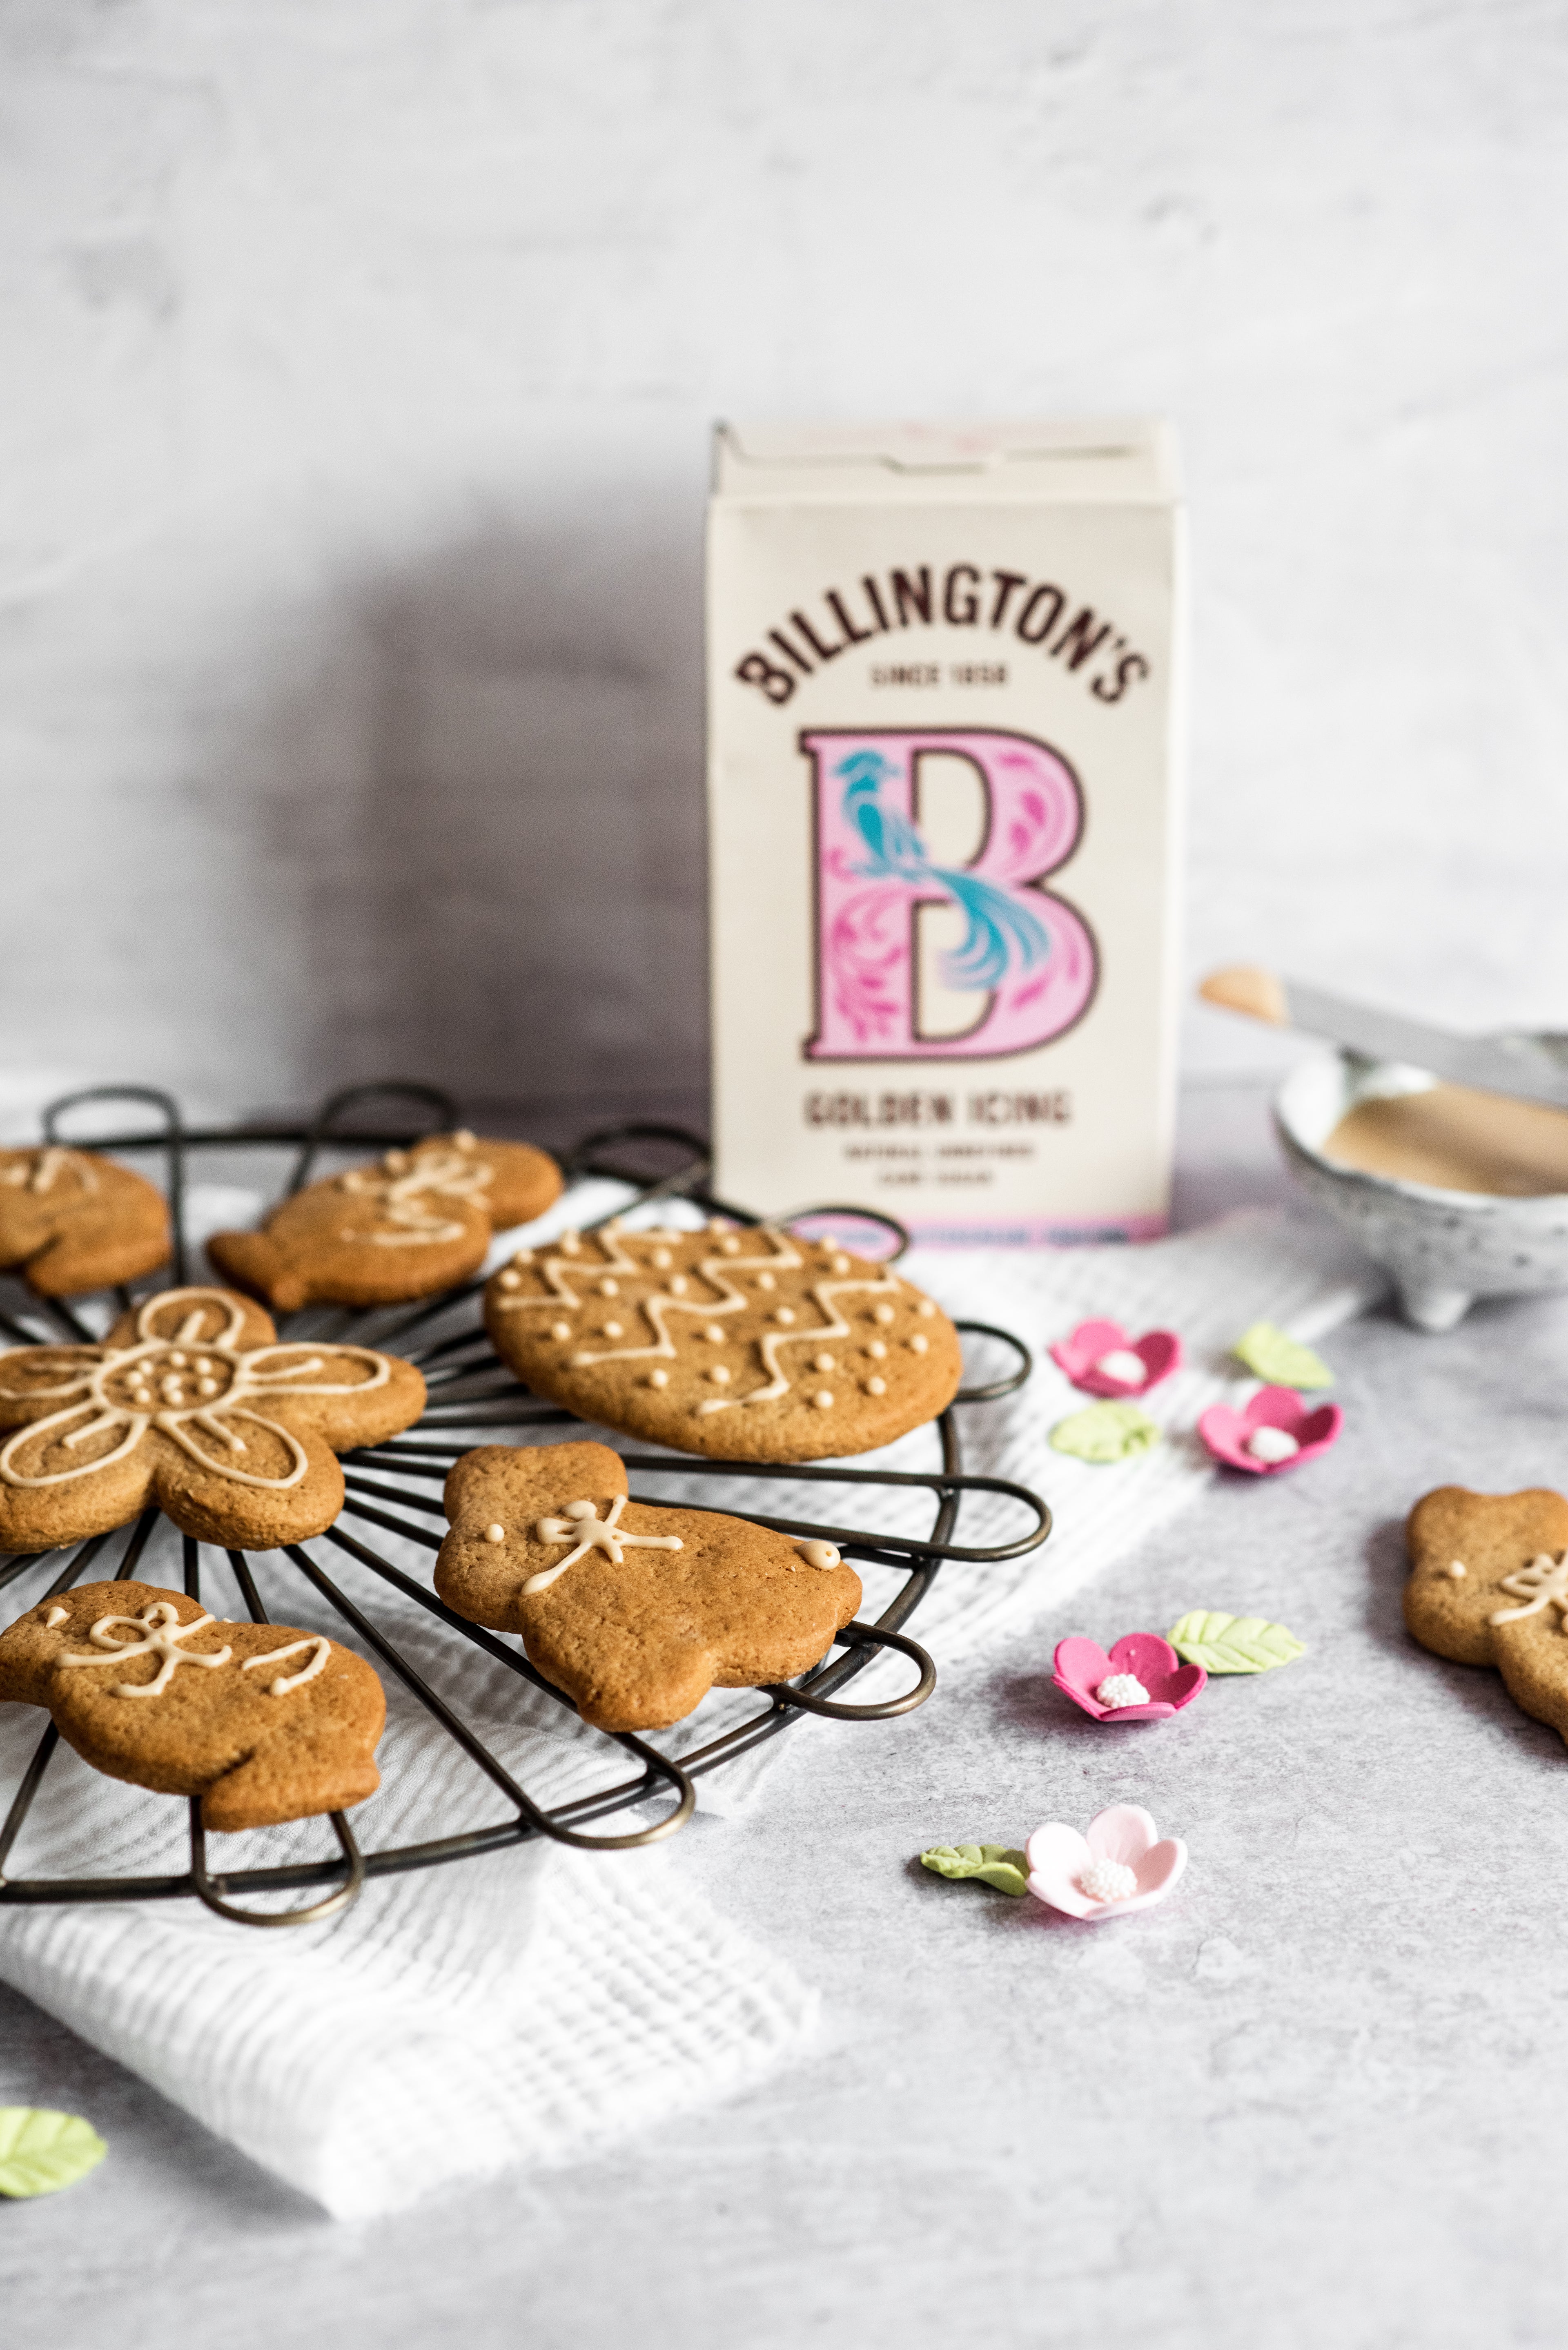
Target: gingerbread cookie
265, 1723
190, 1401
376, 1235
637, 1612
1489, 1586
749, 1345
71, 1221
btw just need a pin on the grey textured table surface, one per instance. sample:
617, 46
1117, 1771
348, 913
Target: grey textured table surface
1317, 2098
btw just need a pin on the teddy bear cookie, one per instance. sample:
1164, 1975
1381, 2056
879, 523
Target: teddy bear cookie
412, 1225
634, 1611
191, 1402
1489, 1586
71, 1221
748, 1345
262, 1721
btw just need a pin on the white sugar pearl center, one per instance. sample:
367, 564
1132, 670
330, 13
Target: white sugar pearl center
1122, 1364
1122, 1689
1272, 1444
1108, 1880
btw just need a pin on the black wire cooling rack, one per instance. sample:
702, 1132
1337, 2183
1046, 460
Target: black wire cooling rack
394, 1487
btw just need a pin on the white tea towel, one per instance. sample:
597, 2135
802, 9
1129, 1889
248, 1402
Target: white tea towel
522, 2008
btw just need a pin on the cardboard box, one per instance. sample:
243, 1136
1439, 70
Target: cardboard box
944, 700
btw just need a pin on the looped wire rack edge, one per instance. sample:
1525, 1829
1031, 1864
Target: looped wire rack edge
473, 1396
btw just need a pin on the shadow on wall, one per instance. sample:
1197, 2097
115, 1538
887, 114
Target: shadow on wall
483, 823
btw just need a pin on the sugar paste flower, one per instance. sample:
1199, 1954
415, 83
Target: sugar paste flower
1275, 1430
1142, 1680
1103, 1360
1122, 1863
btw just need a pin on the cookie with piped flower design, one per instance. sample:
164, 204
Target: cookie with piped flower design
72, 1221
636, 1610
191, 1401
744, 1343
262, 1721
409, 1225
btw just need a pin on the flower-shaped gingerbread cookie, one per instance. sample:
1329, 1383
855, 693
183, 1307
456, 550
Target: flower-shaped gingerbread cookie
190, 1401
1489, 1586
71, 1221
637, 1612
748, 1345
416, 1223
263, 1722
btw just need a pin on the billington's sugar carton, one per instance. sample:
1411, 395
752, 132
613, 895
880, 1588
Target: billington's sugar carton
944, 694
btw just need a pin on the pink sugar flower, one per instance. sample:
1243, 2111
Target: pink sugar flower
1121, 1865
1142, 1680
1103, 1360
1275, 1430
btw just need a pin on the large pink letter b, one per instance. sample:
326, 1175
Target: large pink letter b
1026, 956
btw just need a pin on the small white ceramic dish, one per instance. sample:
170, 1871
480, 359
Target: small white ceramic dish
1445, 1249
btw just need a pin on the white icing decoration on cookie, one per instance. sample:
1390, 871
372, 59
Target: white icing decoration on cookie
1122, 1364
401, 1201
824, 1555
55, 1615
1272, 1444
36, 1171
496, 1533
1457, 1570
876, 1387
718, 1273
286, 1681
1542, 1583
158, 1633
579, 1522
100, 1373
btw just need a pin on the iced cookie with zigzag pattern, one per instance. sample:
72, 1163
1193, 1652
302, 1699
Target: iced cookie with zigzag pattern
744, 1343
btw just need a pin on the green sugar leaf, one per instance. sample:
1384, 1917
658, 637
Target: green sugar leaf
1233, 1644
1106, 1431
1280, 1361
993, 1864
41, 2151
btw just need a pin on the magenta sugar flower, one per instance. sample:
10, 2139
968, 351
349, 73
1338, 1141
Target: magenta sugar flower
1275, 1430
1103, 1360
1121, 1865
1142, 1680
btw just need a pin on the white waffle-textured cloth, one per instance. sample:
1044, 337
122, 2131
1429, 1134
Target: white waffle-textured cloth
529, 2007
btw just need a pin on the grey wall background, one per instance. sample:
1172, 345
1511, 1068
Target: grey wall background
359, 367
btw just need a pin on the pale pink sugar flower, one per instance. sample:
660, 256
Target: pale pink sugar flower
1120, 1865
